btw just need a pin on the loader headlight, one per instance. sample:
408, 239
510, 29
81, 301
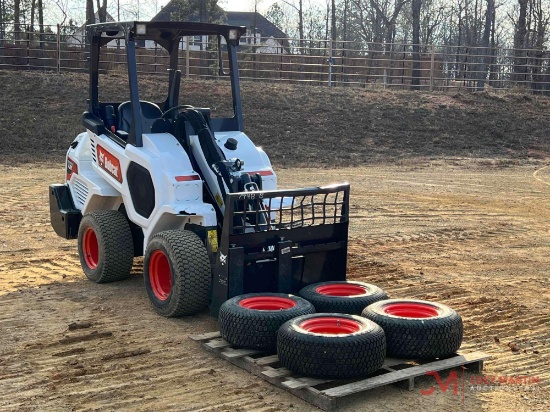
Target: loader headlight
141, 29
233, 34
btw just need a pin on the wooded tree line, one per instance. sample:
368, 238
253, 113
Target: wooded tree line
468, 23
479, 28
475, 30
23, 14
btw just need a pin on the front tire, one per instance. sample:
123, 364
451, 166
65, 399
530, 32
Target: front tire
417, 329
349, 297
331, 346
105, 246
177, 273
252, 320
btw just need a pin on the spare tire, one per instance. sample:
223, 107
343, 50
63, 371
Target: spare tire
342, 296
417, 328
331, 346
252, 320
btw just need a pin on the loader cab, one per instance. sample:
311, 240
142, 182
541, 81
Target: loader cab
126, 120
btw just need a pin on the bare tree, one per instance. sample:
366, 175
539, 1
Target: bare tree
41, 22
482, 69
541, 17
63, 7
17, 19
33, 9
102, 11
300, 9
1, 21
90, 15
377, 19
520, 34
333, 21
416, 74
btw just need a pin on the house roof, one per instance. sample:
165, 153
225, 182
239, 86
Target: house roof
232, 18
167, 12
250, 18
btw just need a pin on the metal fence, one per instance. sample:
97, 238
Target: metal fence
318, 62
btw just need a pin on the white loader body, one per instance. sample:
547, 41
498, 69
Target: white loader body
97, 169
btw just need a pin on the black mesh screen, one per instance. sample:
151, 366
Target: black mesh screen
142, 189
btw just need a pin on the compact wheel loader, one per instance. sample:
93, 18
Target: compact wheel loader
188, 190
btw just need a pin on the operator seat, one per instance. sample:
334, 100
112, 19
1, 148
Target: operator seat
149, 113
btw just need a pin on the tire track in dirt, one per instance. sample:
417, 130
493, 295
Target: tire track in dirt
89, 373
29, 270
448, 241
516, 335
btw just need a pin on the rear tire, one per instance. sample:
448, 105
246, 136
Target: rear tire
105, 246
252, 320
177, 273
331, 346
417, 329
342, 296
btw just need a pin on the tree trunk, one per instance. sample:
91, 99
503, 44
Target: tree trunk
333, 21
1, 21
344, 38
102, 11
16, 19
41, 22
301, 25
494, 68
90, 15
482, 68
541, 27
327, 17
33, 8
416, 73
520, 67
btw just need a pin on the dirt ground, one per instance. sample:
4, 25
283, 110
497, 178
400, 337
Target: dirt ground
472, 234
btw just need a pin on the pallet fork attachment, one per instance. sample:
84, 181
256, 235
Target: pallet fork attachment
281, 241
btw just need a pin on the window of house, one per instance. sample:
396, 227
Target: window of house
195, 40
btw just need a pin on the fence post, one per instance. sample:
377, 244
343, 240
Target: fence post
187, 67
27, 31
432, 68
58, 48
330, 62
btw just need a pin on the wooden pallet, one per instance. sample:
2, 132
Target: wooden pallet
326, 393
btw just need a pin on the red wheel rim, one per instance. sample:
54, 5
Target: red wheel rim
331, 326
341, 289
411, 310
90, 248
160, 275
267, 303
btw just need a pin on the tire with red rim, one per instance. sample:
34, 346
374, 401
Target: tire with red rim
252, 320
177, 273
417, 328
342, 296
105, 246
331, 346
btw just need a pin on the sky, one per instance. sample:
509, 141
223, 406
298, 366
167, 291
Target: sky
244, 5
248, 5
145, 8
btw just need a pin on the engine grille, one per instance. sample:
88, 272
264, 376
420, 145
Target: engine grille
81, 192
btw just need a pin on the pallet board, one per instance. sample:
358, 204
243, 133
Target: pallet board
326, 393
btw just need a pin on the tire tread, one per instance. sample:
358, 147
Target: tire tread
115, 237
